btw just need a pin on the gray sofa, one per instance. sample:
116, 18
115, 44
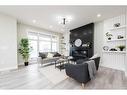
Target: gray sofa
43, 59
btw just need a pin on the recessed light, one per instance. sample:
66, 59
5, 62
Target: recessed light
62, 30
50, 26
98, 15
34, 21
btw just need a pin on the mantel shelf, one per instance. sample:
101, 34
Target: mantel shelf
124, 52
113, 40
123, 26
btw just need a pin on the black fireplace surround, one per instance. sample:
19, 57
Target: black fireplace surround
86, 35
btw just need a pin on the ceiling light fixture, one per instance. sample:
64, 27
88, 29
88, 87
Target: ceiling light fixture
64, 20
34, 21
98, 15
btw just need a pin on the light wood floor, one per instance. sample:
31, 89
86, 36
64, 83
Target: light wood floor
30, 78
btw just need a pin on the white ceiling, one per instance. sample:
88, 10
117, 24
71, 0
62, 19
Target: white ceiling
46, 16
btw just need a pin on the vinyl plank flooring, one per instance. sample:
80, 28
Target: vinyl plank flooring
30, 78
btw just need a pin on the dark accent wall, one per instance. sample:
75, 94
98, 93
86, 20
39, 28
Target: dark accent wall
86, 34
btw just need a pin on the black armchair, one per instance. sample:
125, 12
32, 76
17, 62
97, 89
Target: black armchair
80, 72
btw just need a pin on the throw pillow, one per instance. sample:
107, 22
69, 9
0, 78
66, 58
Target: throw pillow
42, 55
50, 55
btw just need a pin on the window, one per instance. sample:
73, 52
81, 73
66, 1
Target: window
33, 44
44, 46
33, 41
54, 47
44, 37
42, 43
55, 43
32, 36
54, 38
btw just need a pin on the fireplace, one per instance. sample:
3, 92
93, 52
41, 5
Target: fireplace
79, 53
86, 35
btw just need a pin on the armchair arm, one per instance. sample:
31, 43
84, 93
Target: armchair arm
97, 62
78, 71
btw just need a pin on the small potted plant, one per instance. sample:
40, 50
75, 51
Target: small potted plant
108, 35
24, 50
121, 47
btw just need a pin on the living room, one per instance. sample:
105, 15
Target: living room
51, 47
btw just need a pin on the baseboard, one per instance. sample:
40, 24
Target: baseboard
8, 69
112, 67
20, 64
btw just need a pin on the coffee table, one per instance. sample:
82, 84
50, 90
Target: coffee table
60, 63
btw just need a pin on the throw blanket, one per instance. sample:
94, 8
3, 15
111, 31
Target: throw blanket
91, 68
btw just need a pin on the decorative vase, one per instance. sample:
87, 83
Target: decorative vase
121, 49
26, 63
109, 38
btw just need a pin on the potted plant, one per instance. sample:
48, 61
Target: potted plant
24, 50
109, 35
121, 47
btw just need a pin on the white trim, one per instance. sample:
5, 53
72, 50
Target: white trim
9, 68
124, 52
116, 68
124, 39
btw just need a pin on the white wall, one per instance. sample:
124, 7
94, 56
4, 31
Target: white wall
8, 43
98, 38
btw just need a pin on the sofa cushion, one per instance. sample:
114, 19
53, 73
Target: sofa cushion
57, 54
42, 55
50, 55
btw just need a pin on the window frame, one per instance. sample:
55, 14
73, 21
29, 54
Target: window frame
45, 34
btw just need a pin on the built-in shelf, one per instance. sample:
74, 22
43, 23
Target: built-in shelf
116, 40
123, 26
115, 52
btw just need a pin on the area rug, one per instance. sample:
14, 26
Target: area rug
53, 74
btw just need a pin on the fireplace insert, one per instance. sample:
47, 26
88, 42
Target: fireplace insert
79, 53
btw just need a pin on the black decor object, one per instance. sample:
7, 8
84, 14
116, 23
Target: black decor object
56, 54
26, 63
117, 25
42, 55
109, 38
108, 35
121, 47
86, 35
120, 37
113, 49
